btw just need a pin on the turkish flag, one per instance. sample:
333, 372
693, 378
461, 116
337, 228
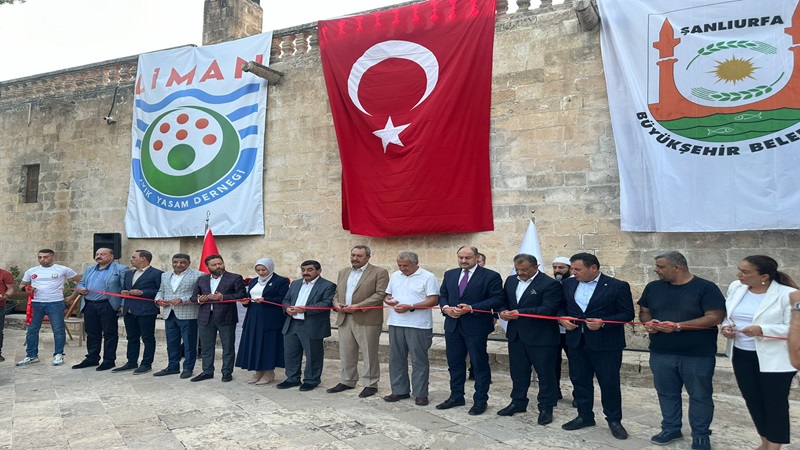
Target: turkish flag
410, 93
209, 248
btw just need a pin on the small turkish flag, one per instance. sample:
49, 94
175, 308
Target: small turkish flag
209, 248
410, 93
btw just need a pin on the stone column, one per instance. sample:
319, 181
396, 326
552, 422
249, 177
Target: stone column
226, 20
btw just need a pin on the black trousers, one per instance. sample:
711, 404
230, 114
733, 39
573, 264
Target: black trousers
521, 358
144, 328
100, 321
584, 365
766, 395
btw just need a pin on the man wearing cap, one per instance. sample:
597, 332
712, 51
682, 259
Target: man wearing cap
561, 271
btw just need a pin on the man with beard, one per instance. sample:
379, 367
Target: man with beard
215, 317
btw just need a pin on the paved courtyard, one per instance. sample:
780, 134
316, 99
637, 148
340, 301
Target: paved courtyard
57, 407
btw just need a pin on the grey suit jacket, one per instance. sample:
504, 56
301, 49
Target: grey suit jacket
187, 310
317, 321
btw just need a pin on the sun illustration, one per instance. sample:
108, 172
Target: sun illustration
734, 69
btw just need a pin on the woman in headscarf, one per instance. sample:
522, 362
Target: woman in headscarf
261, 347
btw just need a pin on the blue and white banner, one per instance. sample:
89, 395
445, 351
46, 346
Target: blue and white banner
705, 106
198, 140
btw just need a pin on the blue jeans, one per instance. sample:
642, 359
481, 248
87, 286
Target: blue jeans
55, 312
670, 374
178, 330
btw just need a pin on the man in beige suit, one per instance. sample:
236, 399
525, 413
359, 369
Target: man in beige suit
359, 286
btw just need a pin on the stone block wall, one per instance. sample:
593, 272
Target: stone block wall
552, 152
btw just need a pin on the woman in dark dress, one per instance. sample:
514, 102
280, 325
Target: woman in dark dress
261, 347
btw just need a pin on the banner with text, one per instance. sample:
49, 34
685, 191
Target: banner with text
198, 140
705, 107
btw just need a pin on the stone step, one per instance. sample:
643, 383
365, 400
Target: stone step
635, 364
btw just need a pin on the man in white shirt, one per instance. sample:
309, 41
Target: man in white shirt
412, 291
46, 281
306, 326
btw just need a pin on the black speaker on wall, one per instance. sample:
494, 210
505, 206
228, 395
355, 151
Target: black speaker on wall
108, 240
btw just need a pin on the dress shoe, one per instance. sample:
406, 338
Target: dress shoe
578, 423
186, 374
203, 376
395, 398
256, 376
511, 409
267, 378
226, 378
338, 388
477, 409
305, 387
617, 430
560, 396
105, 366
163, 372
127, 366
450, 403
288, 384
574, 403
85, 363
367, 392
142, 369
545, 417
421, 401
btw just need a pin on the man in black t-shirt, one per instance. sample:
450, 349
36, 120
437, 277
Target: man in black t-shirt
681, 313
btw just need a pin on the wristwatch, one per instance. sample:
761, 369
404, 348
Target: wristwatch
677, 328
796, 307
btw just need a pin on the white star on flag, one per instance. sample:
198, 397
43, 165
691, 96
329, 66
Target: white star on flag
390, 134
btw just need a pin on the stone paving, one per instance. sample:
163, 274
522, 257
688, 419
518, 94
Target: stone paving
56, 407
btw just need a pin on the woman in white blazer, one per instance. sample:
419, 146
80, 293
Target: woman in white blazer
758, 311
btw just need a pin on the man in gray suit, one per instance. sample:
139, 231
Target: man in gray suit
305, 328
180, 323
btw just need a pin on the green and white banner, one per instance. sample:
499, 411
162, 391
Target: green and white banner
705, 107
198, 140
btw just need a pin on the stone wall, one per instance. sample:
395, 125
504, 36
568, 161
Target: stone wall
552, 151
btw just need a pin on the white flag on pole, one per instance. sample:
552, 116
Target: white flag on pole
530, 246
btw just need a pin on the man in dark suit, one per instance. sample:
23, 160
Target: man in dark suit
595, 347
140, 315
531, 342
305, 328
213, 317
464, 290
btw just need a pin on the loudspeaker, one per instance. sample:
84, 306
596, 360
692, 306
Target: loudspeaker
108, 240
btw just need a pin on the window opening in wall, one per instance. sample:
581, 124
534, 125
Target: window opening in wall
31, 183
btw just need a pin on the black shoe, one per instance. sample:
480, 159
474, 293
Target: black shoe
127, 366
367, 392
305, 387
142, 369
701, 443
578, 423
186, 374
450, 403
617, 430
84, 364
471, 375
665, 437
2, 359
545, 417
105, 366
560, 396
203, 376
163, 372
511, 409
395, 398
227, 378
477, 409
338, 388
574, 403
288, 384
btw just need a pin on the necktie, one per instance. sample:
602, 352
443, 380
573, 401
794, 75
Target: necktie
462, 285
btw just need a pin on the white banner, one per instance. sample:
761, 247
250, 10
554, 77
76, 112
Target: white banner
705, 105
198, 140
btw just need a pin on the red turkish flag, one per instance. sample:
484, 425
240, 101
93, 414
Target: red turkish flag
410, 93
209, 248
